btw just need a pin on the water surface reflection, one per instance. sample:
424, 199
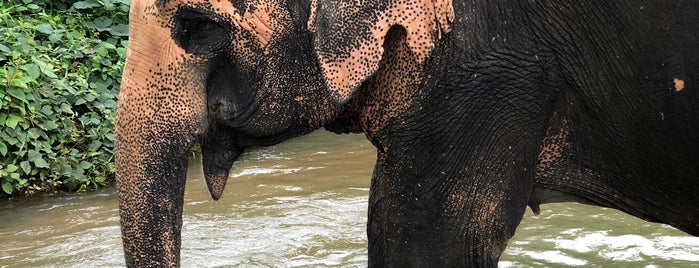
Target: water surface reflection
303, 204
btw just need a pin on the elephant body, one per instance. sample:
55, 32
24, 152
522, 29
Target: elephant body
575, 110
477, 109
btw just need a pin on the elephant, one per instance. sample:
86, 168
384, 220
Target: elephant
477, 109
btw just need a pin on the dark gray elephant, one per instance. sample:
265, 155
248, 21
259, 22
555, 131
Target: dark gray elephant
477, 109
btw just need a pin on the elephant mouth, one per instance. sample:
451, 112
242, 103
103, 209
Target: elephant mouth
220, 151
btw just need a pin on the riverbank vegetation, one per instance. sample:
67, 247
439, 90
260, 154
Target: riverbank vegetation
61, 67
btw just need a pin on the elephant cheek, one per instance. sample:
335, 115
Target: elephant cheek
218, 155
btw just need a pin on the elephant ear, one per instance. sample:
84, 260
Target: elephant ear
349, 35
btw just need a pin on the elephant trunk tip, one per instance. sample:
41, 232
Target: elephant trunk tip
216, 194
218, 155
216, 182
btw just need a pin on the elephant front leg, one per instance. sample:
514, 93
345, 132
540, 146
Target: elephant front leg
455, 216
451, 190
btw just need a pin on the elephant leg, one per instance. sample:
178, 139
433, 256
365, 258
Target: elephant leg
453, 178
459, 216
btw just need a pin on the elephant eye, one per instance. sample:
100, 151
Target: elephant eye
197, 34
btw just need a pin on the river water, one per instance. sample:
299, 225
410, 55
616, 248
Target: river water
303, 204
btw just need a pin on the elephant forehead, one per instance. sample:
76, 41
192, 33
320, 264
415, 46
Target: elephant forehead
151, 91
260, 18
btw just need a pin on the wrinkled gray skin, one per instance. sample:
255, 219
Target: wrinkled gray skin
477, 109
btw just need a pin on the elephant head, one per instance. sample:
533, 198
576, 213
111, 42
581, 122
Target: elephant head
227, 74
236, 74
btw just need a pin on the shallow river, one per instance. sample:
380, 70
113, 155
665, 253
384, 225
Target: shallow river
303, 204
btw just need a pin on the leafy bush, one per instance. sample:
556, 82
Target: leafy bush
59, 80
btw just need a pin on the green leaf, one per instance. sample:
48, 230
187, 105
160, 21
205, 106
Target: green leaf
33, 155
3, 149
85, 4
96, 144
41, 163
65, 108
46, 110
44, 28
13, 120
20, 82
108, 45
119, 30
99, 86
32, 70
94, 120
34, 133
50, 125
78, 173
124, 8
11, 168
7, 187
10, 140
37, 159
110, 136
102, 51
4, 48
85, 164
101, 23
25, 167
110, 103
67, 170
55, 37
45, 68
121, 51
17, 93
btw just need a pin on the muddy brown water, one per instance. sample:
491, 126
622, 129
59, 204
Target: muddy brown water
303, 204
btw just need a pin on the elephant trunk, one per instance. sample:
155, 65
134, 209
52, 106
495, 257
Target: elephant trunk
159, 117
151, 163
150, 183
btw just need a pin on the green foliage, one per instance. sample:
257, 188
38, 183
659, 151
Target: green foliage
59, 80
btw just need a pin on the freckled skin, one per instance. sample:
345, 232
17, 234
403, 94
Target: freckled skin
477, 109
